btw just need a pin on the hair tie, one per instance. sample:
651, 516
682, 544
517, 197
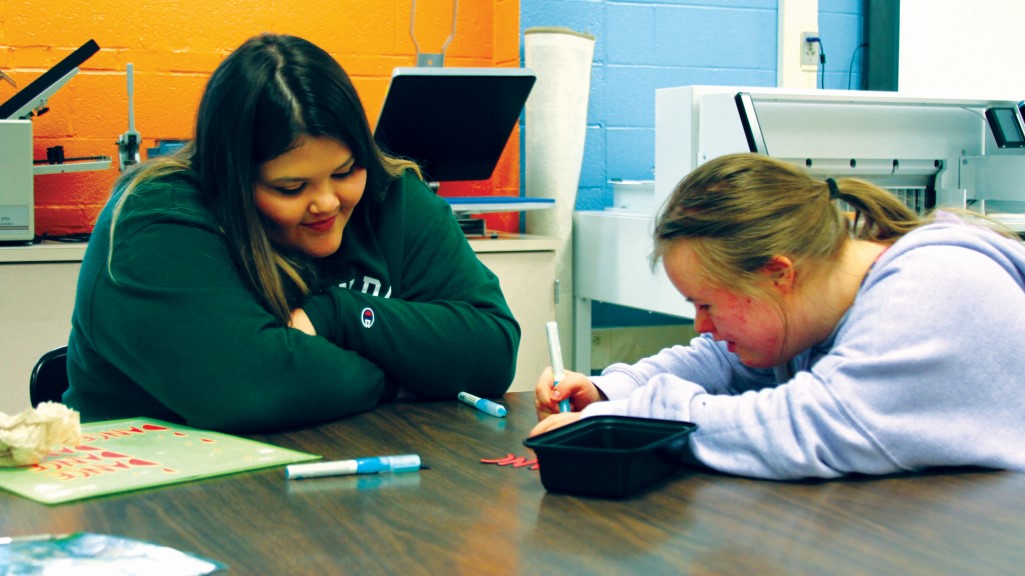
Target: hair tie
834, 192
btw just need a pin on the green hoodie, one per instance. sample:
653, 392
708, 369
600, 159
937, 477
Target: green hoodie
169, 330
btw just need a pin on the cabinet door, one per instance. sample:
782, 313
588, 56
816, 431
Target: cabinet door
528, 282
36, 301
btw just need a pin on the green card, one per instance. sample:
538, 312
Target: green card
123, 455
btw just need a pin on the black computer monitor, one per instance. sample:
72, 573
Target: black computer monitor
39, 91
454, 122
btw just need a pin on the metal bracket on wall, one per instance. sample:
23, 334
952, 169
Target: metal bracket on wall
438, 59
129, 143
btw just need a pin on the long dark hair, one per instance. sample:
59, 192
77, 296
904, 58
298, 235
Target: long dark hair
258, 104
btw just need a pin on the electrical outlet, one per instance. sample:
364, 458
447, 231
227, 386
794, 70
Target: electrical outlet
809, 50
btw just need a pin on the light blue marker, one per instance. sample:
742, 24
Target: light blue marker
558, 372
373, 465
483, 404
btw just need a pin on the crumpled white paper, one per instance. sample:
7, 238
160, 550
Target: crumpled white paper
27, 438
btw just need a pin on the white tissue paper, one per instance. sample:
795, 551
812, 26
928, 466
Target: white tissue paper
27, 438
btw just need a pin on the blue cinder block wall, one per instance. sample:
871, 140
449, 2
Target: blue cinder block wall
642, 45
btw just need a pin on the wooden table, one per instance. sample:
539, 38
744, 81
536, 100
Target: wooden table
464, 517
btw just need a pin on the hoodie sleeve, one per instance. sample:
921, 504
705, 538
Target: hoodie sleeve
168, 329
918, 375
448, 329
704, 361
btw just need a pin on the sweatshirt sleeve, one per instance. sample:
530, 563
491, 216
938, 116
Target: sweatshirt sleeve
447, 329
789, 431
906, 384
704, 361
173, 315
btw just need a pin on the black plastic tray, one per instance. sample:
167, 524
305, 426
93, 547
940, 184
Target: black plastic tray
609, 456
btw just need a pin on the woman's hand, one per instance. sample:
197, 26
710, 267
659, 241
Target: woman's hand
574, 386
555, 421
300, 321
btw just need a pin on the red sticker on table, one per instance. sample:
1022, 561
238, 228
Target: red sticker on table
513, 460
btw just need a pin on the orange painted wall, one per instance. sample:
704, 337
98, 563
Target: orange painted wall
174, 45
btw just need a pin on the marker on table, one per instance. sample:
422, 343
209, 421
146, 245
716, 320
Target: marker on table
558, 372
482, 404
373, 465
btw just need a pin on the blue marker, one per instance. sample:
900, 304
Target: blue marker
558, 372
482, 404
374, 465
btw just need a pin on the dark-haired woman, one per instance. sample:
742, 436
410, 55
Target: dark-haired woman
280, 270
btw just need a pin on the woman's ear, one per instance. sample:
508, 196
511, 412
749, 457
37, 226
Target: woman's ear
780, 271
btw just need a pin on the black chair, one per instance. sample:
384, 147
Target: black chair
49, 377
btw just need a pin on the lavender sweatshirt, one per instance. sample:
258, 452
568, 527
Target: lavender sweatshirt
927, 368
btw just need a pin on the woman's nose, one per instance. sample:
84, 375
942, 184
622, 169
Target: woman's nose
324, 199
702, 324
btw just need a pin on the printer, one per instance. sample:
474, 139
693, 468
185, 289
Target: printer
16, 187
930, 152
17, 169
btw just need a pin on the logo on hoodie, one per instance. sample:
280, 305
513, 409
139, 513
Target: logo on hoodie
368, 317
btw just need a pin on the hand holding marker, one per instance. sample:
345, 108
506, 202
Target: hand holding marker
558, 372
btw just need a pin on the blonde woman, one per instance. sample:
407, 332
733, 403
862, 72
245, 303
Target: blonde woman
828, 346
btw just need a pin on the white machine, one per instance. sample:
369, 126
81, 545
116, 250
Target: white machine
937, 151
16, 191
931, 152
17, 167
